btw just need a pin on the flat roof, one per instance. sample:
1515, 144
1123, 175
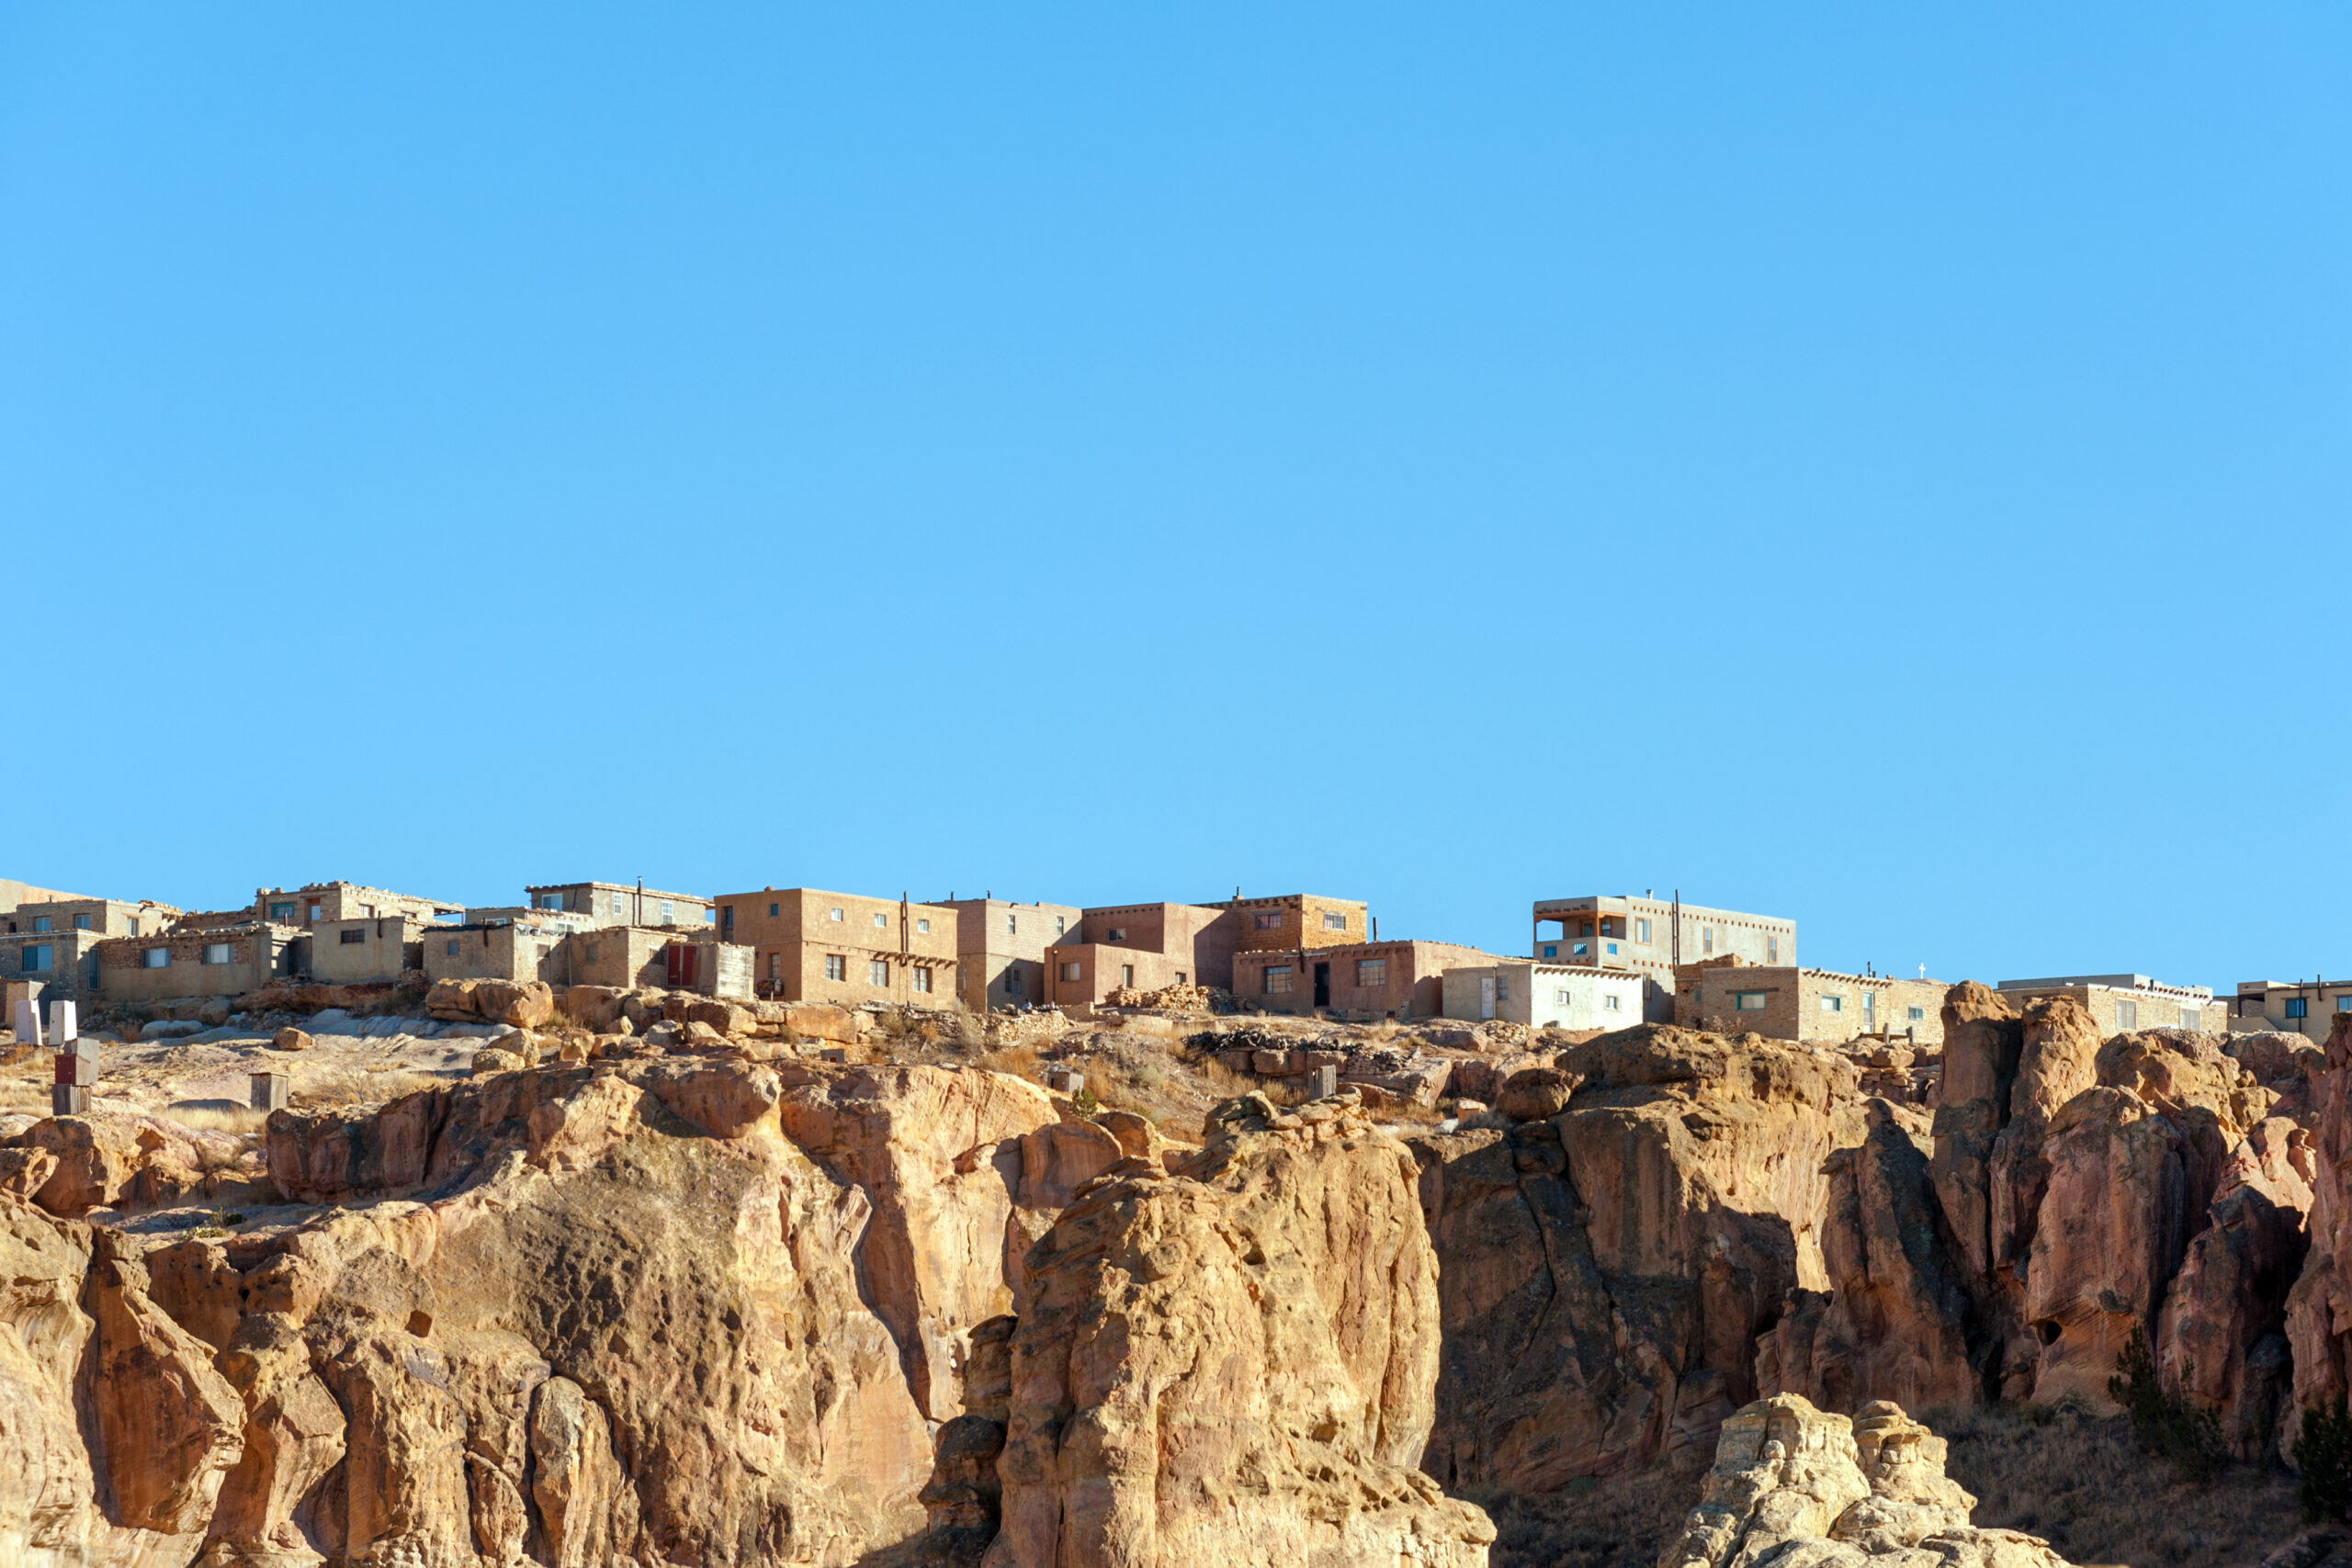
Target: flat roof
2112, 982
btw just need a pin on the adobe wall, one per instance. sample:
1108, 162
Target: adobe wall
383, 949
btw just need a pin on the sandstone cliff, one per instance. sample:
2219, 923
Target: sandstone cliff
715, 1311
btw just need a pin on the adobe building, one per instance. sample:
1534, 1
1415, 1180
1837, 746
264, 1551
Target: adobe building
629, 958
1544, 995
316, 901
1149, 946
1402, 980
621, 904
52, 965
106, 917
809, 946
1295, 921
2121, 1003
371, 951
2289, 1007
1782, 1001
497, 948
197, 961
1000, 949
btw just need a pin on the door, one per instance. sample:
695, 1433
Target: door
1486, 998
682, 957
1322, 984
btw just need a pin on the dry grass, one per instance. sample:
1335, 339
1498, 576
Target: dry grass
2076, 1481
2073, 1479
1623, 1523
241, 1120
322, 1085
1021, 1061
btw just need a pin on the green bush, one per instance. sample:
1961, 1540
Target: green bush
2324, 1463
2160, 1423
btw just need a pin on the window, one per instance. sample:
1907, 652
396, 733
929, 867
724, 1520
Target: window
1748, 1001
352, 937
1372, 971
1833, 1004
1613, 950
312, 912
834, 915
1057, 925
776, 966
774, 911
35, 960
80, 923
881, 919
452, 947
216, 952
921, 979
548, 900
1581, 950
1502, 987
1011, 924
161, 958
1271, 921
1277, 979
922, 926
1551, 950
2127, 1015
1013, 985
1127, 975
1562, 999
1919, 1013
877, 972
1771, 950
669, 913
1642, 931
1707, 939
617, 905
281, 911
40, 922
1869, 1006
2297, 1007
1609, 1003
836, 966
2344, 1002
134, 925
1584, 928
1118, 933
1180, 976
2191, 1019
588, 951
1332, 922
1069, 971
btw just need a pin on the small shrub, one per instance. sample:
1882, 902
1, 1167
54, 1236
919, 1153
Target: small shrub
2160, 1423
1084, 1101
2324, 1463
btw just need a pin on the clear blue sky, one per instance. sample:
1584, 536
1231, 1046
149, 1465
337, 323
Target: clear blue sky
1882, 466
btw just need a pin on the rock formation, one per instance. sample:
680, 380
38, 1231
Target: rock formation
1797, 1487
670, 1310
1606, 1270
1233, 1364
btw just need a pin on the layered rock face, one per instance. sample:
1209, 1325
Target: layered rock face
2319, 1308
1793, 1485
1233, 1364
671, 1311
1609, 1261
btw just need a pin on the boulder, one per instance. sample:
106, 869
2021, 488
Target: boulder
290, 1039
724, 1017
1535, 1094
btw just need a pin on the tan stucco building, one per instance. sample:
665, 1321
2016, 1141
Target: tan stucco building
621, 904
1002, 947
810, 946
316, 901
1374, 979
197, 961
2122, 1003
1811, 1006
